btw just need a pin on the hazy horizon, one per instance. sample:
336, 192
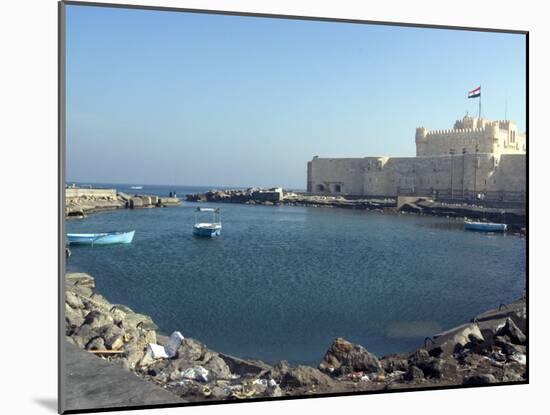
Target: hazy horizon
157, 97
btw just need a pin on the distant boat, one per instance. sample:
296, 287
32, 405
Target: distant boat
107, 238
485, 226
136, 187
208, 229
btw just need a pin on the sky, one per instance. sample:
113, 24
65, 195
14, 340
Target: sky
158, 97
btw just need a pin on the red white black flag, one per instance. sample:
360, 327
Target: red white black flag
475, 93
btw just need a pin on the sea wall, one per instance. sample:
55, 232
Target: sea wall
74, 192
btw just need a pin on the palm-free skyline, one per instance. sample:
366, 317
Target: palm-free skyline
156, 97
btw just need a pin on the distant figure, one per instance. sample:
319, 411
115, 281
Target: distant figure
67, 253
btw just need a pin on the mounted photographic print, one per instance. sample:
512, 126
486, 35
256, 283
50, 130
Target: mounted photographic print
260, 207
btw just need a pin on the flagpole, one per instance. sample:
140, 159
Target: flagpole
479, 109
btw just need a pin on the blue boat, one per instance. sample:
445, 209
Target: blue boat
208, 229
106, 238
485, 226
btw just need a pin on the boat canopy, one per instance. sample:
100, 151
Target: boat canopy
201, 209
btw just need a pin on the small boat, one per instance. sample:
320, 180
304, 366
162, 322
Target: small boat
106, 238
136, 187
484, 226
208, 229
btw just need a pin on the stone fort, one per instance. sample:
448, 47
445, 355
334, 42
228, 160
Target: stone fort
475, 157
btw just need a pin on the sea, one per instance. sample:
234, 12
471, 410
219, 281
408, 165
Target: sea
282, 282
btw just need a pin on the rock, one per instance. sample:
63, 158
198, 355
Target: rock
479, 379
344, 357
419, 357
113, 336
439, 368
305, 376
511, 330
413, 373
273, 390
73, 300
73, 319
454, 340
190, 350
80, 279
244, 367
218, 368
394, 363
96, 343
96, 319
507, 347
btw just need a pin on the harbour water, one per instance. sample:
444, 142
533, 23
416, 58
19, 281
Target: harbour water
282, 282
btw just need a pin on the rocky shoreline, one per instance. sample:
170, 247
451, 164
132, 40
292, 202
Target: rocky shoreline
489, 349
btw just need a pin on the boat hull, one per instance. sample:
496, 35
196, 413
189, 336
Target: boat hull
207, 232
485, 227
108, 238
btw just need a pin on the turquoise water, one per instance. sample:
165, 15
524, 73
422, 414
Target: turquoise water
283, 282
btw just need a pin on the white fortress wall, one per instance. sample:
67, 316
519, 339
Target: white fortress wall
487, 156
329, 173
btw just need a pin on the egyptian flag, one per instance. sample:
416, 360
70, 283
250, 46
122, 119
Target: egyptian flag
475, 93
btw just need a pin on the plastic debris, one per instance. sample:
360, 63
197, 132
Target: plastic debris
156, 351
262, 382
173, 344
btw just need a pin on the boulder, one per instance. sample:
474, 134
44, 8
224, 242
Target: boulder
308, 377
80, 278
96, 319
413, 373
394, 363
73, 319
113, 336
511, 330
344, 357
73, 300
244, 367
96, 343
218, 368
191, 350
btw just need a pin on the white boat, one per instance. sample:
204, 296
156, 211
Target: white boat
136, 187
208, 229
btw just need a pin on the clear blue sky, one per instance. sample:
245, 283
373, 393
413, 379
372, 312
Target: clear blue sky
178, 98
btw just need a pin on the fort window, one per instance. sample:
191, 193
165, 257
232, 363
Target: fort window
337, 188
320, 188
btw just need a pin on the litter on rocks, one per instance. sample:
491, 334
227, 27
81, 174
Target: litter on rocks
156, 351
198, 373
173, 344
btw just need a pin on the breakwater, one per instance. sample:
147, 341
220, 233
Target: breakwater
489, 349
515, 217
82, 201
